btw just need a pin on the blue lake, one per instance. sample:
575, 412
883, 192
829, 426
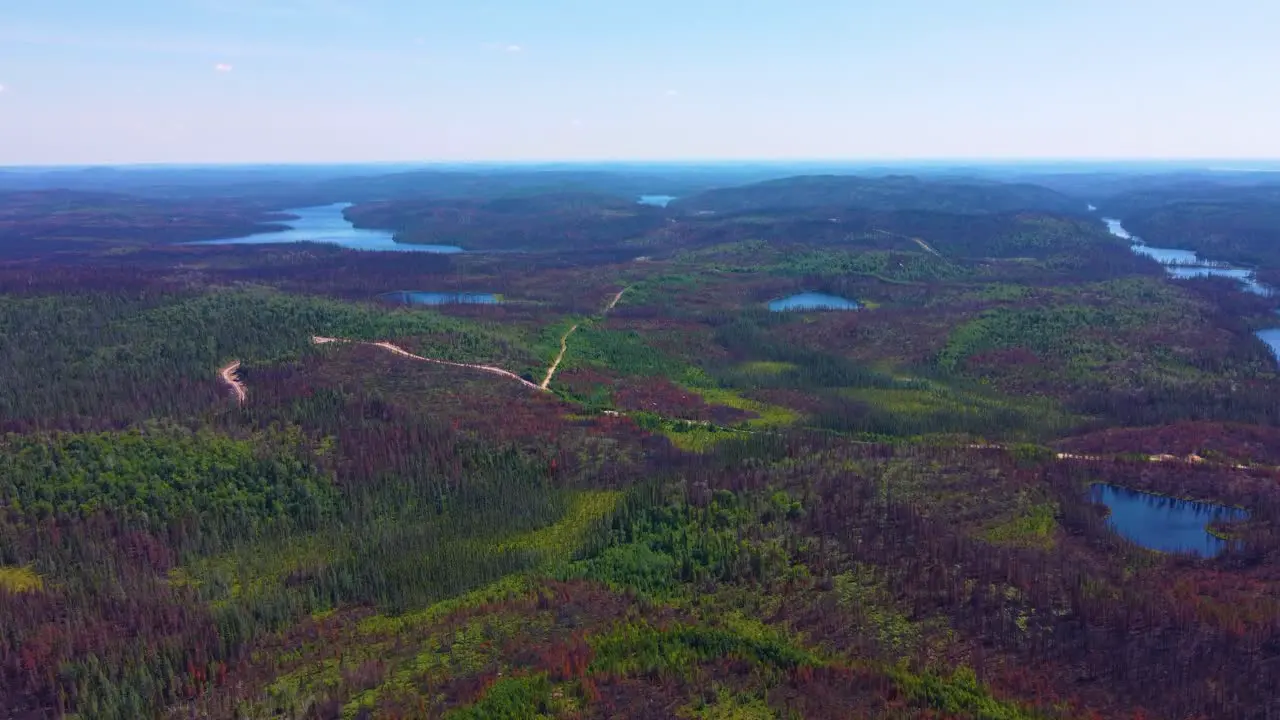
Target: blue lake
411, 297
656, 200
326, 224
1162, 523
1271, 336
812, 301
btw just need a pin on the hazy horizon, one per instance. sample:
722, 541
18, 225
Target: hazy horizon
339, 82
1132, 164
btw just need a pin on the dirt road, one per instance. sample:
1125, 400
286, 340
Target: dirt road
318, 340
564, 341
564, 347
390, 347
614, 301
228, 375
923, 245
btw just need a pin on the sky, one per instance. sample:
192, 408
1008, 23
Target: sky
257, 81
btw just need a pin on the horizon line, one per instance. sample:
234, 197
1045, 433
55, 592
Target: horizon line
942, 160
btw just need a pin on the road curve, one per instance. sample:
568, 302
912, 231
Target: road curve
228, 375
390, 347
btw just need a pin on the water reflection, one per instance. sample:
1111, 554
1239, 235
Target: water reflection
813, 301
1186, 263
327, 224
656, 200
1162, 523
413, 297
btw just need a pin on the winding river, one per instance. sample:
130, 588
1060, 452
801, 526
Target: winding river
1187, 264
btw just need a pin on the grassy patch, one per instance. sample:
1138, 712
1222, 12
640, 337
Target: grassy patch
960, 695
864, 593
1033, 528
765, 367
770, 416
505, 589
559, 541
517, 698
256, 570
729, 705
689, 436
464, 652
697, 439
918, 407
552, 544
20, 579
643, 649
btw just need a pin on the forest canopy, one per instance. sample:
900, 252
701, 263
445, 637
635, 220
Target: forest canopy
817, 446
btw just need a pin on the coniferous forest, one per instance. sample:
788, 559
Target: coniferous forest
600, 464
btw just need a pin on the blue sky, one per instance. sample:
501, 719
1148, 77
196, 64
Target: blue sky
92, 81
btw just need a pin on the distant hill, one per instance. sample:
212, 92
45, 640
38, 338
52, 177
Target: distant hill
300, 185
1233, 218
1124, 205
44, 221
894, 192
1246, 232
551, 221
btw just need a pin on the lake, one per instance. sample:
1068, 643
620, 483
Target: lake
1168, 256
812, 301
1163, 523
656, 200
326, 224
1186, 263
413, 297
1246, 277
1271, 336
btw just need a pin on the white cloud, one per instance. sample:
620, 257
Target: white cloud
512, 48
672, 93
575, 122
222, 68
2, 87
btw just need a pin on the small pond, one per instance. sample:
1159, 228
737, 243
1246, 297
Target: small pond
413, 297
812, 301
656, 200
327, 224
1162, 523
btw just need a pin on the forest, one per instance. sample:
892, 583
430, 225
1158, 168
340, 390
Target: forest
641, 479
